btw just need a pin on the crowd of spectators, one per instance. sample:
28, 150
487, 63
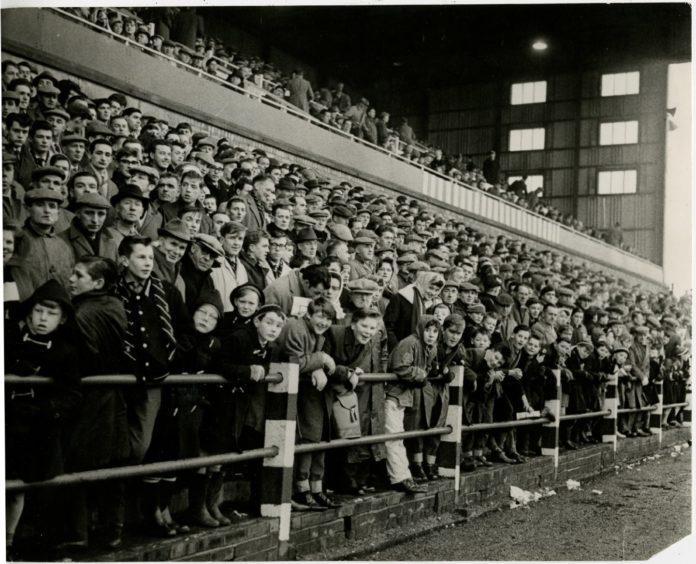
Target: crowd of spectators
179, 34
138, 246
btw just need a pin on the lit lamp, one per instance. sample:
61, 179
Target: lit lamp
540, 45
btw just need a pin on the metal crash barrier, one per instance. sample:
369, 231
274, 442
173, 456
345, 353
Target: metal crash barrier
280, 427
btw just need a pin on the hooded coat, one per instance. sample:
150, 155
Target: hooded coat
411, 361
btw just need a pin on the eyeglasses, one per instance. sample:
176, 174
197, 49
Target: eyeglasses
129, 161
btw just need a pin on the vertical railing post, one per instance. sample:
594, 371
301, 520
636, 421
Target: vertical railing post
276, 476
686, 413
656, 416
550, 434
611, 404
451, 445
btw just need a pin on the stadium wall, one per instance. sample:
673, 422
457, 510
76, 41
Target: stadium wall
161, 88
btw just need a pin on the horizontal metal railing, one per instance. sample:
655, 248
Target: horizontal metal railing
671, 405
371, 440
141, 470
132, 380
589, 415
504, 424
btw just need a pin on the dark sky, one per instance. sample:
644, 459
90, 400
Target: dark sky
450, 44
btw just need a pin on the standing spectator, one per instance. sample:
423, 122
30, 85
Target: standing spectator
383, 132
340, 99
491, 168
615, 235
300, 90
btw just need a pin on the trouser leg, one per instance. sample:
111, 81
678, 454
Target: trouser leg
397, 460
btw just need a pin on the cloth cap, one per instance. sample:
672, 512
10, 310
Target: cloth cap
306, 234
209, 242
504, 300
175, 228
417, 266
476, 308
42, 194
362, 286
40, 172
341, 232
96, 201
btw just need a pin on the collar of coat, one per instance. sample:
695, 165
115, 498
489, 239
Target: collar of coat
409, 293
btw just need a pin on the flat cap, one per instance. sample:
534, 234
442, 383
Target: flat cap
96, 201
362, 286
468, 287
209, 242
476, 308
42, 171
417, 266
175, 228
504, 299
42, 194
341, 232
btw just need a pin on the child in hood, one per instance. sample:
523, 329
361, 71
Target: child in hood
411, 360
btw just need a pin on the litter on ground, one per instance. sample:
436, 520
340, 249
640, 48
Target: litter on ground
598, 492
572, 484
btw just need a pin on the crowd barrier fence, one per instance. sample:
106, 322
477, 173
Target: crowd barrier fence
280, 447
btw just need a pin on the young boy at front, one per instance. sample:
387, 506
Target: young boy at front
411, 360
302, 340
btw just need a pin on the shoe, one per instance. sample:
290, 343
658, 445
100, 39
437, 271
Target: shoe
307, 499
500, 456
570, 445
642, 433
297, 506
160, 530
198, 510
368, 489
517, 457
409, 486
214, 498
620, 435
417, 472
431, 472
648, 432
672, 423
468, 465
482, 461
325, 501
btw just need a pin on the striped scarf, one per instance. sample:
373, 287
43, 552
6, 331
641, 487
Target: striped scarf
154, 289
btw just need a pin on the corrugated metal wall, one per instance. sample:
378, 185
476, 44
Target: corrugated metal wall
473, 119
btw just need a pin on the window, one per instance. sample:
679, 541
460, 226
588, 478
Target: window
618, 133
616, 182
621, 83
527, 139
528, 93
533, 181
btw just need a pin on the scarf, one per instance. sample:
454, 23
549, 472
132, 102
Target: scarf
154, 289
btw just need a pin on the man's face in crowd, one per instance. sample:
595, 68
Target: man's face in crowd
523, 294
101, 156
266, 191
190, 190
282, 218
260, 249
533, 346
41, 141
24, 96
43, 212
104, 112
551, 315
173, 248
84, 185
140, 262
521, 338
120, 126
168, 189
192, 221
308, 248
219, 219
142, 181
300, 207
449, 295
17, 135
275, 174
563, 348
469, 297
237, 211
277, 248
365, 252
232, 243
387, 239
130, 210
178, 155
11, 72
9, 106
91, 218
134, 121
202, 257
57, 125
535, 310
489, 324
162, 156
8, 172
563, 317
319, 322
45, 317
